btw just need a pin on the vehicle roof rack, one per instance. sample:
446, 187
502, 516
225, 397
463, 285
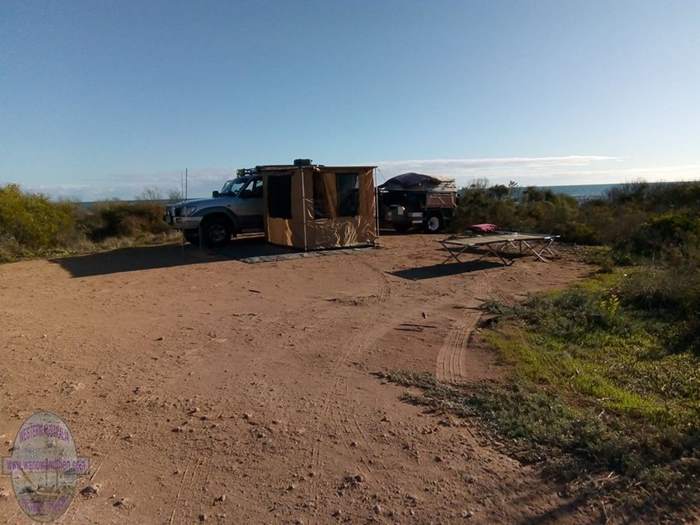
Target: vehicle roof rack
246, 172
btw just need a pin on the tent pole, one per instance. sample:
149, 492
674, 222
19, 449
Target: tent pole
376, 204
303, 200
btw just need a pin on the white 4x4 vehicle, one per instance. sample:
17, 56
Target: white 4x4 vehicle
237, 208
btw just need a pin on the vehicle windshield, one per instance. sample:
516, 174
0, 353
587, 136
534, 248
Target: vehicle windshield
232, 187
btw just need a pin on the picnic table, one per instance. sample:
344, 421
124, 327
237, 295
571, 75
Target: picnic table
501, 245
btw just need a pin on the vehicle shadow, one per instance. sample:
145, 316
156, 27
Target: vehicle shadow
164, 256
444, 270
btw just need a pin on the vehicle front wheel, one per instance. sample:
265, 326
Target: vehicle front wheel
191, 236
434, 224
216, 231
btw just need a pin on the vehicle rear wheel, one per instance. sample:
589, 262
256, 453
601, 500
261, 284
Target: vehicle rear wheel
434, 224
216, 231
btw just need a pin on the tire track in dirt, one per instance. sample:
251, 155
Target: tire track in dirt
364, 336
373, 329
179, 493
196, 483
368, 332
453, 360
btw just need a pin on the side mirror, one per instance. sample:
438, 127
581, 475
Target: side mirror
215, 194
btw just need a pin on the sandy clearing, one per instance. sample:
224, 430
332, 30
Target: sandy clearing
278, 359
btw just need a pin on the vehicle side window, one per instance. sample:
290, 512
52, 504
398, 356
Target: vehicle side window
252, 190
257, 189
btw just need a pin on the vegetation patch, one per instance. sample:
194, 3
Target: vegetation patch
603, 387
637, 220
31, 225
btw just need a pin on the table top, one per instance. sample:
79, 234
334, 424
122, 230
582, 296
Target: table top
477, 240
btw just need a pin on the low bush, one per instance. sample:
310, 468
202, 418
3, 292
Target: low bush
31, 225
32, 221
671, 295
672, 236
119, 219
639, 220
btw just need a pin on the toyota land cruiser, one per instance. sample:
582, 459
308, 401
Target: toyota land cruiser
236, 208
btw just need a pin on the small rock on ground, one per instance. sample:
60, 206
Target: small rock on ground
90, 490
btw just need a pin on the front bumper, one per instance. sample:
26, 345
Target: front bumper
399, 215
183, 223
416, 217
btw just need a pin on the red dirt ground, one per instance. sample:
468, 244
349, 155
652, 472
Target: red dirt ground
187, 376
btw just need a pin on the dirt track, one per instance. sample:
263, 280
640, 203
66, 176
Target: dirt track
187, 376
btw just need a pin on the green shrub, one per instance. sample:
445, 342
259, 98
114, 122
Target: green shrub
533, 210
670, 294
600, 256
575, 314
656, 290
640, 219
659, 197
31, 225
31, 221
670, 235
121, 219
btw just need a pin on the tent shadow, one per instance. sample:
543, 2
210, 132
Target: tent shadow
165, 256
444, 270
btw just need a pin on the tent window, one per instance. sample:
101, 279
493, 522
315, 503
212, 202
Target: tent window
321, 202
348, 189
279, 196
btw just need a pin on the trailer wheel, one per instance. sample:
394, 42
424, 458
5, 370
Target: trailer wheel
433, 224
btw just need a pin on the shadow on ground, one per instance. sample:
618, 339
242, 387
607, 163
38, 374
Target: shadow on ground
164, 256
443, 270
390, 232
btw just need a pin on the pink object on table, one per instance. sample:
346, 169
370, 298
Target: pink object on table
483, 228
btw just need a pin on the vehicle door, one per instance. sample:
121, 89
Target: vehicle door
249, 208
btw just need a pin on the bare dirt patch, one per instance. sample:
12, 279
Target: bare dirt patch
202, 387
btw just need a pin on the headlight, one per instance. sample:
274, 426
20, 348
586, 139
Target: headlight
188, 211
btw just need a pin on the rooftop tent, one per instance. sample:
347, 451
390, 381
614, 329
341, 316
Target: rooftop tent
314, 207
418, 181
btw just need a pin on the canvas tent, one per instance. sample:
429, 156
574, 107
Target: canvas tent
314, 207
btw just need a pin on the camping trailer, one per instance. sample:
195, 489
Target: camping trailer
416, 200
311, 206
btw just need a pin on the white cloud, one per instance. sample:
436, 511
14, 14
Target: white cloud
489, 162
559, 170
201, 182
542, 171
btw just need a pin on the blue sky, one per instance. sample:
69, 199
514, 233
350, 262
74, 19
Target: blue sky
103, 98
